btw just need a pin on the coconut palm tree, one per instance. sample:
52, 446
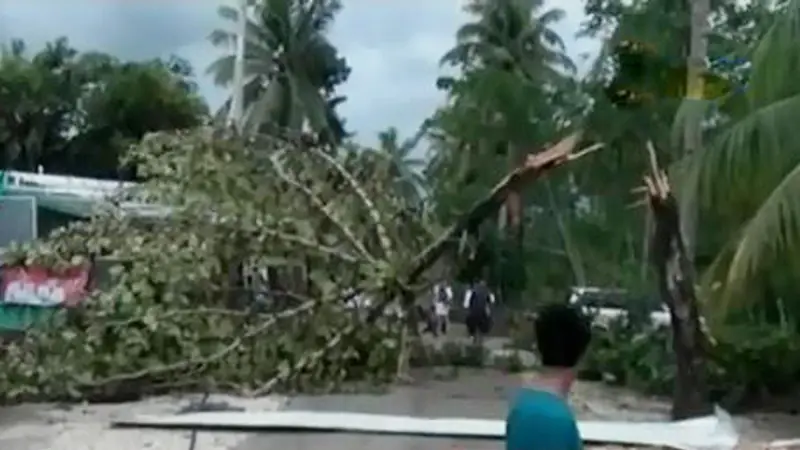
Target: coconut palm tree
514, 35
404, 167
755, 159
290, 67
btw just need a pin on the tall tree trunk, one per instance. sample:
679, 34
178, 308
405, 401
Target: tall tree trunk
645, 260
573, 254
515, 210
693, 133
237, 99
675, 278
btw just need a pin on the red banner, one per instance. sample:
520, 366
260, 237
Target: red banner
38, 286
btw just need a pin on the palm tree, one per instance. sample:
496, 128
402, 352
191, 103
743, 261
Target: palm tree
513, 35
403, 166
290, 67
755, 159
38, 94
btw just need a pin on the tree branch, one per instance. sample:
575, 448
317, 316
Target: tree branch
535, 166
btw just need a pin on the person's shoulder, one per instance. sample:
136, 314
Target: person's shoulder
542, 405
541, 420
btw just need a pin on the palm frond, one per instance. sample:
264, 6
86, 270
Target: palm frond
263, 104
757, 158
276, 16
317, 17
760, 145
222, 70
774, 228
257, 35
309, 98
461, 53
222, 38
472, 31
550, 17
776, 60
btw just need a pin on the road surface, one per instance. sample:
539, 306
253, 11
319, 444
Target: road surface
483, 394
480, 394
473, 394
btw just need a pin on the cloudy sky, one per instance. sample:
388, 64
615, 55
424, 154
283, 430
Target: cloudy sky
393, 46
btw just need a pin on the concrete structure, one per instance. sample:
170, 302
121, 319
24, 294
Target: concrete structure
18, 219
73, 196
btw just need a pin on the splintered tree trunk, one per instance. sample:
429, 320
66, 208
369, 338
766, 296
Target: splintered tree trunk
534, 166
675, 277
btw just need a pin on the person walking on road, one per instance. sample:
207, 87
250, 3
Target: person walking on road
442, 301
477, 302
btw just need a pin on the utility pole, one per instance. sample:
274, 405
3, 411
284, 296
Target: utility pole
236, 112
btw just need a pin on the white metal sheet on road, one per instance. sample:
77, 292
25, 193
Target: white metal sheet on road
709, 433
478, 398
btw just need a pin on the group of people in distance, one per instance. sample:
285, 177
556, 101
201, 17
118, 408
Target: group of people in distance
478, 302
539, 416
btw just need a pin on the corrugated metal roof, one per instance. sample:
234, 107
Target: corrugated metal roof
75, 196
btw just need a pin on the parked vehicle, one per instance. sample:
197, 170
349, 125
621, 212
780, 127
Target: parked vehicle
606, 305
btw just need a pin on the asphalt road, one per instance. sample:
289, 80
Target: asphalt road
474, 393
480, 394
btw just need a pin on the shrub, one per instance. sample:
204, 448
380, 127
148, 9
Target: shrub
747, 363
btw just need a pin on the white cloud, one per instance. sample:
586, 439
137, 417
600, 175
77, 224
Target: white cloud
394, 52
393, 46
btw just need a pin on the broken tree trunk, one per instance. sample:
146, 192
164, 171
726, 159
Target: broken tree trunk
534, 166
675, 278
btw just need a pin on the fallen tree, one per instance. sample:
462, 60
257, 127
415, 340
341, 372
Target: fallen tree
176, 314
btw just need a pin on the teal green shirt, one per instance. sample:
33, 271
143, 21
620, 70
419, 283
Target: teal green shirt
539, 420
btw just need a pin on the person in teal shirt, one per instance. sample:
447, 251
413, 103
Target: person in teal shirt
539, 417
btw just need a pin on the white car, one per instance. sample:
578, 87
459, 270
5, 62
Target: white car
607, 305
